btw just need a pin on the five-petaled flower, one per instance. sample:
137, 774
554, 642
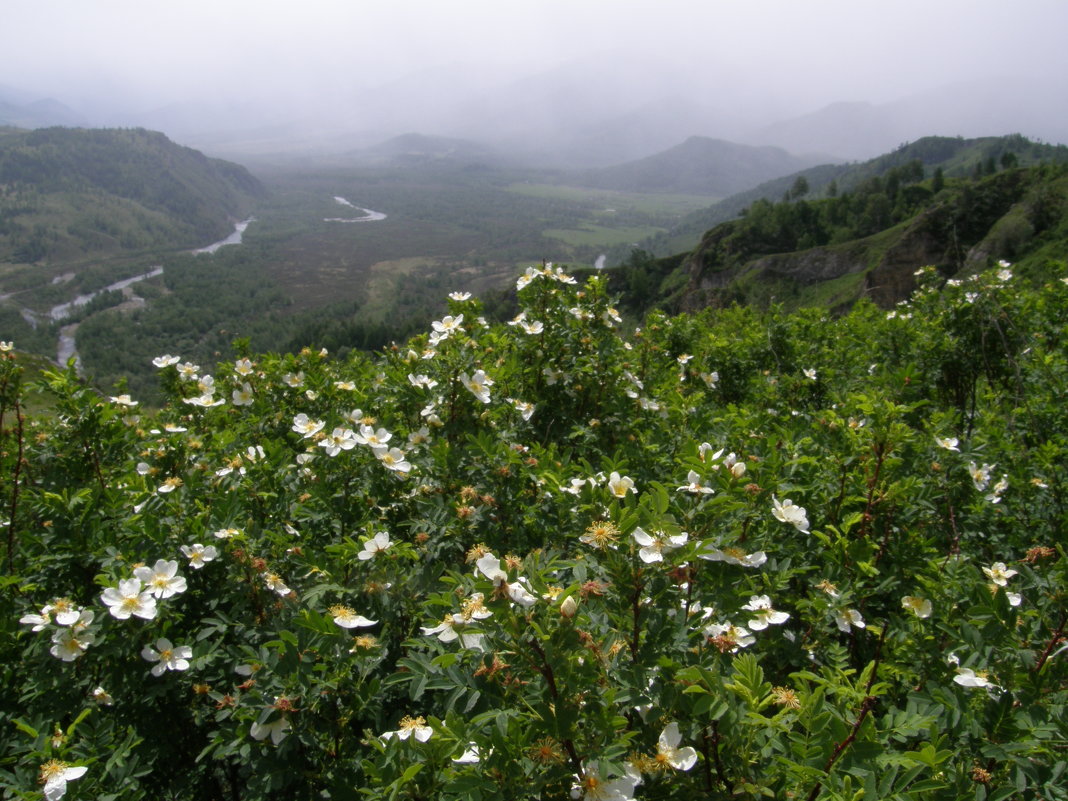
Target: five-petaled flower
668, 751
410, 727
55, 774
167, 656
128, 599
786, 512
374, 546
763, 615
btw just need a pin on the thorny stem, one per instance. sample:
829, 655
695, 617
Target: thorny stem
546, 671
636, 610
865, 708
880, 453
1058, 635
14, 490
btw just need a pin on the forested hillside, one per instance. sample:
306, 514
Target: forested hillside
67, 193
865, 241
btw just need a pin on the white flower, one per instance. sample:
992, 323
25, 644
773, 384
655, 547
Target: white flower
999, 574
695, 486
167, 656
294, 380
341, 439
848, 618
469, 757
460, 296
533, 327
348, 619
921, 607
307, 427
653, 548
124, 400
276, 729
620, 485
810, 373
162, 580
477, 384
54, 776
949, 443
102, 696
374, 546
70, 644
787, 512
590, 786
226, 533
372, 438
710, 379
243, 395
243, 367
275, 584
980, 475
422, 380
490, 567
966, 677
187, 371
447, 325
994, 496
128, 599
732, 556
451, 628
668, 750
199, 555
525, 409
394, 459
765, 615
411, 727
734, 636
166, 360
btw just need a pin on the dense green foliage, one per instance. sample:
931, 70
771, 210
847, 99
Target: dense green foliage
736, 554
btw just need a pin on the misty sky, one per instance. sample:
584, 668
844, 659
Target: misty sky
151, 52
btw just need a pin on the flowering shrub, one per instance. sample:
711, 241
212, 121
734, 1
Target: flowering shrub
726, 555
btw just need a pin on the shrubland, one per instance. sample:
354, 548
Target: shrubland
733, 554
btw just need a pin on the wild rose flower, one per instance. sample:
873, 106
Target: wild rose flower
162, 580
764, 614
921, 607
374, 546
128, 599
410, 727
54, 776
732, 556
199, 555
167, 656
668, 751
787, 512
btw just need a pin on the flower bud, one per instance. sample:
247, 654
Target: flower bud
738, 469
568, 607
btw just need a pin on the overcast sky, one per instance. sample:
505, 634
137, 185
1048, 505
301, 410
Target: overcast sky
157, 50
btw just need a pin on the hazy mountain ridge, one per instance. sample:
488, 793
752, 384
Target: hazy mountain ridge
72, 191
699, 166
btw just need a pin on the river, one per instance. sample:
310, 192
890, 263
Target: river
369, 216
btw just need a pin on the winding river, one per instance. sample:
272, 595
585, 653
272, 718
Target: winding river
369, 216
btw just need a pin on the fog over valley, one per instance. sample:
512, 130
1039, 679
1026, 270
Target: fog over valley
567, 84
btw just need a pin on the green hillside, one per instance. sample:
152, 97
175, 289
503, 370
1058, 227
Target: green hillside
69, 193
867, 241
954, 156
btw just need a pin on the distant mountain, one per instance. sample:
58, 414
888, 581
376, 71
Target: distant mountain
21, 111
70, 192
993, 106
698, 166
